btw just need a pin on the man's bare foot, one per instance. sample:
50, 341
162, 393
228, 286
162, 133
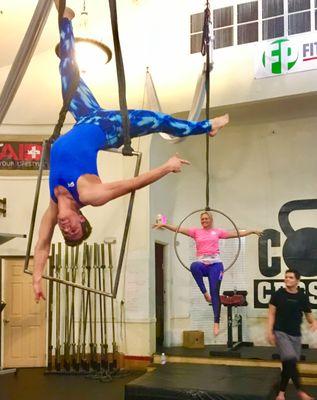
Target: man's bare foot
69, 13
280, 396
218, 123
207, 297
216, 329
303, 396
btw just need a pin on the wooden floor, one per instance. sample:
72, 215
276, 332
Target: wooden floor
33, 384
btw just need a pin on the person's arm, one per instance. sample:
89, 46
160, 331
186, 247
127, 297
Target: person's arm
311, 320
270, 324
42, 248
173, 228
99, 194
242, 233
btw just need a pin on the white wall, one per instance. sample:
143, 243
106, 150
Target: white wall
254, 171
161, 43
265, 158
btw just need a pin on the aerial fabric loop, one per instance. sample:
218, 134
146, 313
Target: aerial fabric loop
23, 56
127, 149
61, 9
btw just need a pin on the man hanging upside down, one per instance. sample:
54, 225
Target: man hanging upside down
74, 181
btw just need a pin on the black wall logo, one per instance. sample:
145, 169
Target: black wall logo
299, 249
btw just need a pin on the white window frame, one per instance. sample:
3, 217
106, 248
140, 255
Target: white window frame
248, 22
260, 20
227, 26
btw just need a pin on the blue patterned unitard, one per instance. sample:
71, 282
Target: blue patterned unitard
75, 153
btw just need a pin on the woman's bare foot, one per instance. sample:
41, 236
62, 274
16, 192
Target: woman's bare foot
280, 396
303, 396
218, 123
216, 329
207, 297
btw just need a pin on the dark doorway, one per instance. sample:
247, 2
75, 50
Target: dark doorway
159, 293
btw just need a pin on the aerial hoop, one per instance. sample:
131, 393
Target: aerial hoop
214, 211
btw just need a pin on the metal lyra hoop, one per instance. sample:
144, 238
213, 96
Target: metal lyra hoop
213, 211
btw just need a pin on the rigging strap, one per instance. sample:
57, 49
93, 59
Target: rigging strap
127, 149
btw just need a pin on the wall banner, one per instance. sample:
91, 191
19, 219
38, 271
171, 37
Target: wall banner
20, 155
299, 252
286, 55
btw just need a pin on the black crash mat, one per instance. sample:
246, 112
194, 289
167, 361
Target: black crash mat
204, 382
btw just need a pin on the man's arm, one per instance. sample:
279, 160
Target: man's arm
99, 194
270, 324
311, 320
242, 233
42, 248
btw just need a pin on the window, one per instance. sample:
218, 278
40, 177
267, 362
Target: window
247, 22
196, 32
223, 27
298, 16
250, 21
272, 19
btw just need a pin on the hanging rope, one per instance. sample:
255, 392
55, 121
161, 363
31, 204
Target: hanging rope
205, 51
127, 149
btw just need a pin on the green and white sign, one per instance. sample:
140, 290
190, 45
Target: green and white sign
286, 55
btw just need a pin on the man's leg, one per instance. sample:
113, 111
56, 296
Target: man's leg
83, 102
144, 122
289, 348
198, 270
215, 274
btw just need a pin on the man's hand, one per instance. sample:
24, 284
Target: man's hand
37, 289
258, 233
174, 164
271, 338
313, 326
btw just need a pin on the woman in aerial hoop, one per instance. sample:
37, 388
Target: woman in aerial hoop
74, 181
208, 263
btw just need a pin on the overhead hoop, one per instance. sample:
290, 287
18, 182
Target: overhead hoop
214, 211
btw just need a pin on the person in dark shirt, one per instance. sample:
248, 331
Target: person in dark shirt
286, 309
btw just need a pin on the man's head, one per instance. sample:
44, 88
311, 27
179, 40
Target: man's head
74, 227
292, 278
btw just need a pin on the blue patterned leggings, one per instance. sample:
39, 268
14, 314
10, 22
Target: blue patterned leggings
86, 110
